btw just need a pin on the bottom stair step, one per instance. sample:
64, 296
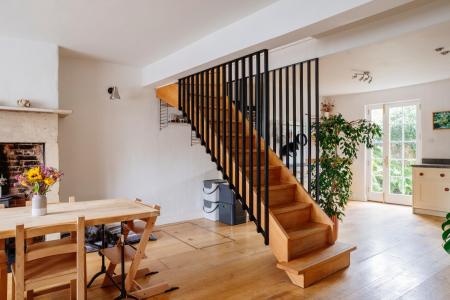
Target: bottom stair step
314, 266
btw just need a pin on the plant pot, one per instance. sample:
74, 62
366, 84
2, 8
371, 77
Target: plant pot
38, 205
335, 227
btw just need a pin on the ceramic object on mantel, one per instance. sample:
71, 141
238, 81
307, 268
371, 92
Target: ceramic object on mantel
24, 103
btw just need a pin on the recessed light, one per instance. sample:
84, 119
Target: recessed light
445, 52
439, 49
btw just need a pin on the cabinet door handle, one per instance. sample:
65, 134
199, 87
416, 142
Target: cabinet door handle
446, 189
421, 174
442, 175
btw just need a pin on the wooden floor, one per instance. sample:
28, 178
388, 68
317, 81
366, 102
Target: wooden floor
399, 255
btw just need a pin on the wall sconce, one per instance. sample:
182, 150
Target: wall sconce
114, 93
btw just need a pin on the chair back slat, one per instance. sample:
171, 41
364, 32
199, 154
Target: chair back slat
51, 251
49, 229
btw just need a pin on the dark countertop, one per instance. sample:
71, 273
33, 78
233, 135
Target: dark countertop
440, 166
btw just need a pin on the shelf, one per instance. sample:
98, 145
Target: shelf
60, 112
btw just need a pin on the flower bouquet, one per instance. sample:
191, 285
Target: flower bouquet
38, 181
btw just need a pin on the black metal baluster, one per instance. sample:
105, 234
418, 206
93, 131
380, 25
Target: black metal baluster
244, 127
274, 112
202, 108
294, 119
224, 121
191, 102
266, 147
236, 125
213, 107
217, 113
230, 124
287, 116
206, 130
280, 112
258, 142
309, 123
197, 104
316, 83
302, 129
180, 106
250, 162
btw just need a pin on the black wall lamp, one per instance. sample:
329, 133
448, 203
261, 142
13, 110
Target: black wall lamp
114, 93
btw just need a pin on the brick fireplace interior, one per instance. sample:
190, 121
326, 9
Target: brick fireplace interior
14, 159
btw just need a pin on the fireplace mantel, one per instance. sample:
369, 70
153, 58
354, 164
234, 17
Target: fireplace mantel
60, 112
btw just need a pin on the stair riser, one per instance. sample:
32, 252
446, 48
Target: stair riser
307, 244
321, 271
294, 218
281, 196
274, 177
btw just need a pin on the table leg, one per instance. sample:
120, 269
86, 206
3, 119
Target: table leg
3, 273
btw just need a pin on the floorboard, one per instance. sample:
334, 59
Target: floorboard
399, 256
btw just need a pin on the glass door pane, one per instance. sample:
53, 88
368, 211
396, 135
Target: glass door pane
377, 171
402, 151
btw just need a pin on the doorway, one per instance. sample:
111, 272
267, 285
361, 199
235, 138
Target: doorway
389, 163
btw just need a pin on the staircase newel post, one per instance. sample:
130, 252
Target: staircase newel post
266, 147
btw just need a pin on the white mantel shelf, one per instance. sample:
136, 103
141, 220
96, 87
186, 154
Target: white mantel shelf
60, 112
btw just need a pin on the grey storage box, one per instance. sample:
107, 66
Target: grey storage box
230, 209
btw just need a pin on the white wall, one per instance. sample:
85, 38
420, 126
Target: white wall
115, 148
434, 96
28, 70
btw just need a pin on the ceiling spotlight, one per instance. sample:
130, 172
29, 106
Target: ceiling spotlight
439, 49
114, 93
363, 76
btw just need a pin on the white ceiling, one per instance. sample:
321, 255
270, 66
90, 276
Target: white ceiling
406, 60
135, 32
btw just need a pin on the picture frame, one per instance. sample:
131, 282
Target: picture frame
441, 120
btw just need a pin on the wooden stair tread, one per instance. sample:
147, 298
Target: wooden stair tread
114, 254
288, 207
306, 230
280, 186
305, 262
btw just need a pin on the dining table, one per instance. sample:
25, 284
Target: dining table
95, 212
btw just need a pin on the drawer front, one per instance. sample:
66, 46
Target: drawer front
442, 175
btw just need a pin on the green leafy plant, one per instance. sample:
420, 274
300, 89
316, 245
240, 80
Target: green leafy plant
446, 234
339, 143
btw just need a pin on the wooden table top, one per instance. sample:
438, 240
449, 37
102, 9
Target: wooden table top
96, 212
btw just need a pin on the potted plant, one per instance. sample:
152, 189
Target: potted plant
446, 234
339, 142
38, 181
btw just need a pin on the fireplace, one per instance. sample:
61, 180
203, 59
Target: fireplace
33, 138
15, 158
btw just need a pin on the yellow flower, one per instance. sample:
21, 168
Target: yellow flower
24, 183
49, 181
34, 174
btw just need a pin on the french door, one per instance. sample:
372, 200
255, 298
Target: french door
389, 162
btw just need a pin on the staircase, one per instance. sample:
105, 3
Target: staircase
301, 235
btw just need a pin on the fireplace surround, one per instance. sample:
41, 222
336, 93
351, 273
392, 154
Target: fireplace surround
36, 131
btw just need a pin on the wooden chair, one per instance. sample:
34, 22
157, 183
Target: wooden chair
50, 263
3, 263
